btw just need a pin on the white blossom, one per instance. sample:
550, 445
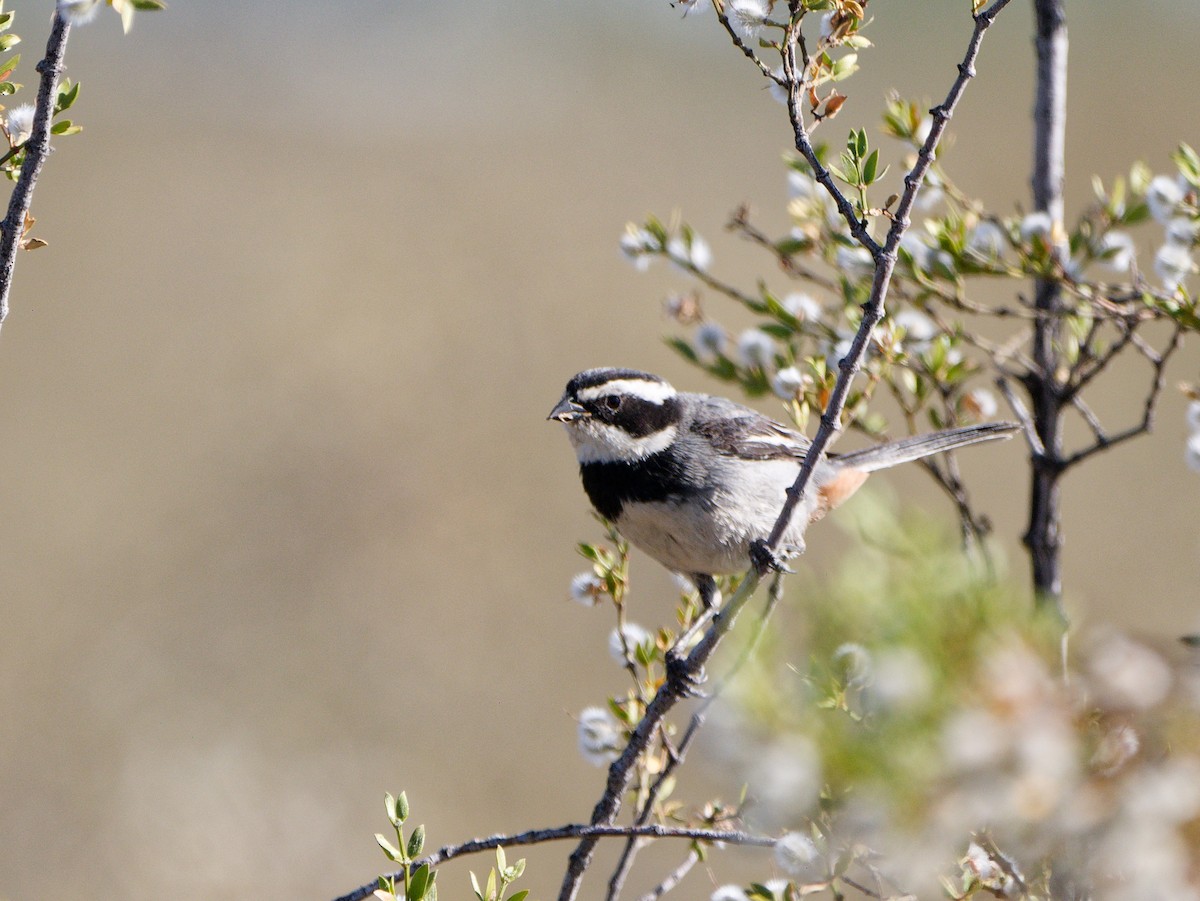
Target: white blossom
919, 329
599, 736
932, 190
1193, 416
802, 306
973, 739
587, 588
709, 341
988, 239
635, 636
787, 775
922, 254
826, 30
78, 12
1181, 230
1039, 224
1172, 264
691, 6
802, 185
729, 893
856, 662
696, 251
797, 856
19, 123
1162, 196
747, 17
902, 678
1123, 251
756, 349
1129, 675
637, 245
836, 351
855, 262
788, 382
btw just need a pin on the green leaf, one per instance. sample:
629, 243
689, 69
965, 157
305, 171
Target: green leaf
418, 884
67, 95
501, 860
475, 886
389, 849
870, 167
65, 127
389, 804
861, 149
148, 5
416, 841
490, 892
519, 896
8, 41
402, 807
5, 20
6, 67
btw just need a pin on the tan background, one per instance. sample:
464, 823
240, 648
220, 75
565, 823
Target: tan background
283, 527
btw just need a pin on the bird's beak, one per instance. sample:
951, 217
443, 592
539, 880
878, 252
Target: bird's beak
566, 410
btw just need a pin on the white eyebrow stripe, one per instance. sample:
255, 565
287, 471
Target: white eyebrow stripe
655, 392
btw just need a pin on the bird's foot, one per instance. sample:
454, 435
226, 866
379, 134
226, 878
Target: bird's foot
679, 674
766, 560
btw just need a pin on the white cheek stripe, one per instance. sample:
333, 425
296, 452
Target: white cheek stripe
616, 446
655, 392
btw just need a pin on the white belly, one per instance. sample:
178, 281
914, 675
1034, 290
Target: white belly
715, 537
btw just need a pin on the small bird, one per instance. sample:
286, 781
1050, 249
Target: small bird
697, 481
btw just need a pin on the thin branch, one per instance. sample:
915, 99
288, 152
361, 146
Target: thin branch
885, 258
37, 148
672, 879
1104, 440
676, 758
573, 830
1022, 413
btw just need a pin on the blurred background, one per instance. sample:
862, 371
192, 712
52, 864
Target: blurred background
283, 526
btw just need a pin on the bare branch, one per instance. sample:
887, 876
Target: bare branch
574, 830
37, 148
672, 879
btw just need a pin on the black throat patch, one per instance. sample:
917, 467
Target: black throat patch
659, 477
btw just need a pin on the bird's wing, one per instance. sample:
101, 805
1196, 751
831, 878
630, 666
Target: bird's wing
737, 431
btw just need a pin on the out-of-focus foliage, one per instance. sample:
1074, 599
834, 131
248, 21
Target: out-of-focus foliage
916, 724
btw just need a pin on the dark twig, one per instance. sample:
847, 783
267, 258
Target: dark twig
629, 852
37, 148
885, 256
574, 830
1104, 440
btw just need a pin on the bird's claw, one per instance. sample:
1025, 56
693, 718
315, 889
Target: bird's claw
680, 675
766, 560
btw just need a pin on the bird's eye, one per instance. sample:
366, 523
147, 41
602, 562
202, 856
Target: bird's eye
613, 401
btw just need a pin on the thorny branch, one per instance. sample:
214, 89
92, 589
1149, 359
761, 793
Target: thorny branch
37, 148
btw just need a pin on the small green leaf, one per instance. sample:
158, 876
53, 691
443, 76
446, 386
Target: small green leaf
519, 896
389, 849
416, 841
475, 886
402, 807
870, 167
6, 67
148, 5
8, 41
5, 20
418, 884
389, 804
501, 860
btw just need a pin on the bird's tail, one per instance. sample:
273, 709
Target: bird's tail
907, 449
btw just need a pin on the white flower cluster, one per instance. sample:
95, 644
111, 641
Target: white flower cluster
600, 737
1192, 453
19, 123
1173, 262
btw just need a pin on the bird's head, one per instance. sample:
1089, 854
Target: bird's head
618, 415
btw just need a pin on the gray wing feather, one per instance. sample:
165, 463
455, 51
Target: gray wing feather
737, 431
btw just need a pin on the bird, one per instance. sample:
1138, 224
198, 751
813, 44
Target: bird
697, 481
